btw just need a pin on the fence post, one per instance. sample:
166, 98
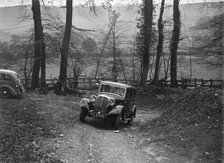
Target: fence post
211, 82
202, 82
90, 83
195, 82
185, 83
84, 83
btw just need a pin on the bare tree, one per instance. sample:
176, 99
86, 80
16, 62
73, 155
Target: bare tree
111, 44
65, 44
174, 43
148, 22
160, 43
114, 21
23, 44
38, 32
102, 50
43, 64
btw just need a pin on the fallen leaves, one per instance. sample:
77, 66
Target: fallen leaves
192, 121
23, 130
192, 108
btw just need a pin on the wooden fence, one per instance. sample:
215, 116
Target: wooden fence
189, 83
91, 83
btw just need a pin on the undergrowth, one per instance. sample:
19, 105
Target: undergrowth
23, 132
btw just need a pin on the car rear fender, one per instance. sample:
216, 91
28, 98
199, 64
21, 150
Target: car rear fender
116, 110
84, 103
12, 91
134, 111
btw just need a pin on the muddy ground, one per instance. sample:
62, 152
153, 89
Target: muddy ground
45, 128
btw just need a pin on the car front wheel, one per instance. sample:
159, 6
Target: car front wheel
116, 121
4, 92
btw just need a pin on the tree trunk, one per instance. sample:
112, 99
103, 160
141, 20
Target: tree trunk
174, 43
133, 63
75, 75
65, 44
101, 53
114, 68
38, 43
43, 67
148, 18
160, 43
25, 67
76, 80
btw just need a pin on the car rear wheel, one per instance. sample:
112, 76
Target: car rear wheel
129, 121
82, 115
4, 92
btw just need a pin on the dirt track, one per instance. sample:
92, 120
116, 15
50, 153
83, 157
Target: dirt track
93, 143
46, 128
77, 141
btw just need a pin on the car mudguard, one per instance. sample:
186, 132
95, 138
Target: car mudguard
12, 91
84, 103
116, 110
134, 111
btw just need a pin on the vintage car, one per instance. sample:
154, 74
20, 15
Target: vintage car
114, 102
10, 84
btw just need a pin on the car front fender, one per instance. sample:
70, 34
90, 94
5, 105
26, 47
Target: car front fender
84, 103
116, 110
12, 91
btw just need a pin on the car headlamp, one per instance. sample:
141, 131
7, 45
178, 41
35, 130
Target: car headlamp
92, 98
111, 102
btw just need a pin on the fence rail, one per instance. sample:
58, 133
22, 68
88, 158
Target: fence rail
90, 83
186, 83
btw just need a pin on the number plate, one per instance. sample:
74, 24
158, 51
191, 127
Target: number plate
97, 115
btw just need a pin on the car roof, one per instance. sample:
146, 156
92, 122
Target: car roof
7, 71
117, 84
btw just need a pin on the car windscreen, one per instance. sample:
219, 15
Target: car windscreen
16, 76
113, 89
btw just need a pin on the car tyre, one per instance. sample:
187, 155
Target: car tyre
116, 120
82, 115
4, 92
134, 115
130, 121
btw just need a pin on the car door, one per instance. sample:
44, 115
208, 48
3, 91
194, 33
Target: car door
130, 101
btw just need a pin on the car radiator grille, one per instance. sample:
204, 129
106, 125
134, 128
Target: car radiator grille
101, 104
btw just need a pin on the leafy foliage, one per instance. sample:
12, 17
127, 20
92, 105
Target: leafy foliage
209, 40
89, 45
6, 54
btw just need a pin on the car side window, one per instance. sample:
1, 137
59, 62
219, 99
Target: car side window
131, 93
7, 77
4, 77
128, 94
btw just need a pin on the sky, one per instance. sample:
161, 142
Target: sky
4, 3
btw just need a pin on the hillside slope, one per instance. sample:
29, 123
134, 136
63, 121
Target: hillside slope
19, 18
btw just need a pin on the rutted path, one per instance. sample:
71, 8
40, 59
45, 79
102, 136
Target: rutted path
87, 143
75, 141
